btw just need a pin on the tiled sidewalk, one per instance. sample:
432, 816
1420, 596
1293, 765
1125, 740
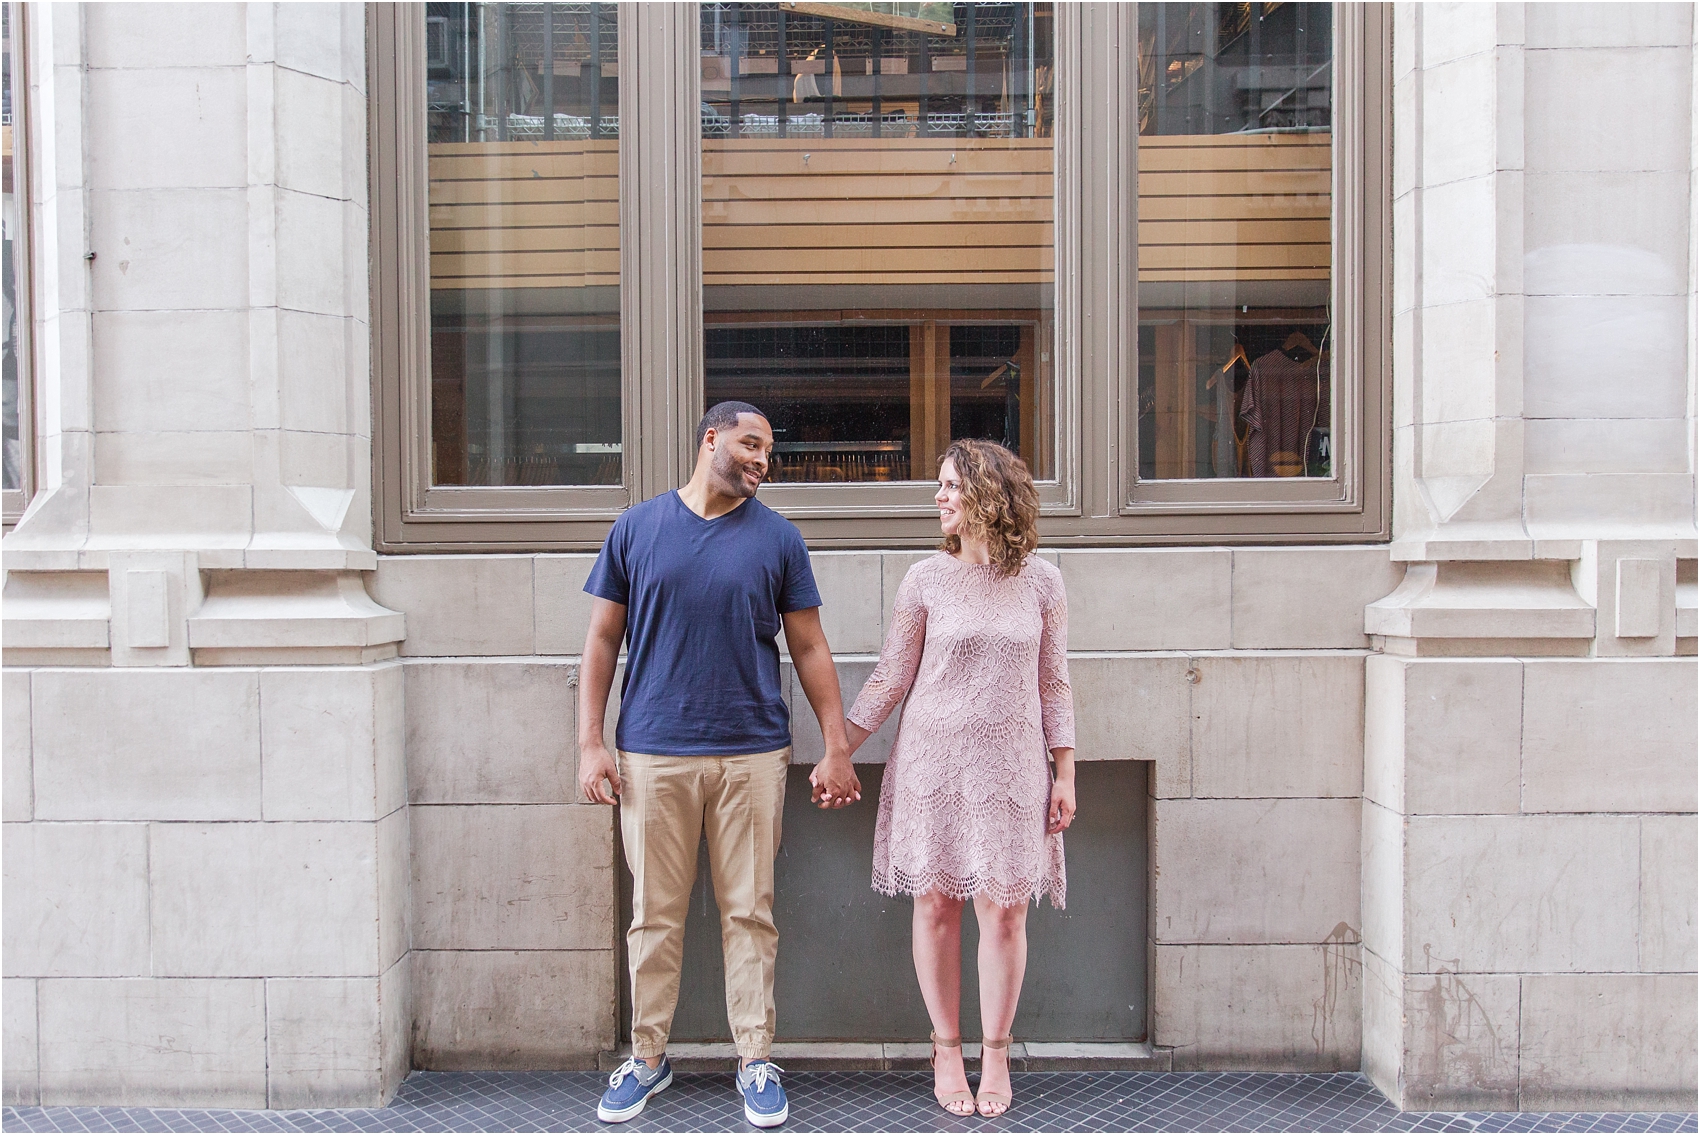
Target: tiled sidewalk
862, 1101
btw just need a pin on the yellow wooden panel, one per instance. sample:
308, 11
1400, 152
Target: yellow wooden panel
528, 190
747, 158
547, 214
867, 314
554, 167
880, 210
755, 214
1234, 151
1235, 183
527, 146
1234, 275
877, 278
600, 262
1234, 208
540, 159
481, 283
1235, 231
877, 187
942, 235
944, 210
1234, 256
895, 264
598, 237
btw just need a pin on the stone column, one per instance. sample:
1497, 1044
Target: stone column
206, 834
1529, 787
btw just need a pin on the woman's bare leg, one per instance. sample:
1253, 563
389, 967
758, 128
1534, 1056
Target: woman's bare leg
1003, 964
937, 943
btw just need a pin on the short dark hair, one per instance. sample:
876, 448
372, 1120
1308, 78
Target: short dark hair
723, 416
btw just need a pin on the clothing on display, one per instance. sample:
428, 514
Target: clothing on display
1283, 402
1227, 448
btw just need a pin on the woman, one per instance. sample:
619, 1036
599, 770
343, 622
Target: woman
969, 808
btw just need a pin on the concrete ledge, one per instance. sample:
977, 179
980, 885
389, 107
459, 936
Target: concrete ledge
910, 1056
1525, 600
1096, 1056
55, 611
285, 612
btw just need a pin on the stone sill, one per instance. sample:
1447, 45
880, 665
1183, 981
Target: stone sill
1499, 543
208, 557
910, 1056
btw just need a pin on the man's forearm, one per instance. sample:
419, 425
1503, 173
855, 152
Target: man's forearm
820, 685
595, 680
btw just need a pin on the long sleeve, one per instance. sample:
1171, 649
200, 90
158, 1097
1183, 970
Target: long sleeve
1251, 413
900, 658
1056, 696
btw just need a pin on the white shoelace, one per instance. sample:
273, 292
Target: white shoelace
759, 1074
629, 1068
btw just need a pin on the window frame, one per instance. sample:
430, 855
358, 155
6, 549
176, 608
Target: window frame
13, 502
869, 513
1359, 178
1096, 498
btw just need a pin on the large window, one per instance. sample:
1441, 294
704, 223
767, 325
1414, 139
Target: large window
522, 145
1140, 245
15, 456
1235, 164
878, 232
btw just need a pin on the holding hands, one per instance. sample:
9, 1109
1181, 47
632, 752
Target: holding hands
834, 780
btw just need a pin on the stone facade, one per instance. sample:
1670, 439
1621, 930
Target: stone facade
1529, 752
206, 839
1426, 809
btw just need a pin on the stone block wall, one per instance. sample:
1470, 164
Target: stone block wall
206, 833
515, 954
1529, 882
1529, 804
206, 886
1237, 673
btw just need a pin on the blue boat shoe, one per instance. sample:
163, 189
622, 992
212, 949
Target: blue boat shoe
764, 1099
630, 1087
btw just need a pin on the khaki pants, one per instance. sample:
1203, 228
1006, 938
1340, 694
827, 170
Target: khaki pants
667, 805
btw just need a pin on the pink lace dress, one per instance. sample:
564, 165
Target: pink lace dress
984, 661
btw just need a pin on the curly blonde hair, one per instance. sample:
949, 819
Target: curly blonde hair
999, 502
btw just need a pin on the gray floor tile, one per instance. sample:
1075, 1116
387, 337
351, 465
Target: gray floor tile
862, 1101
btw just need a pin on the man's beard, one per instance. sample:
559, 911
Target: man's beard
731, 473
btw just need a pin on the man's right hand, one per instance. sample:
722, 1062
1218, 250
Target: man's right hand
596, 764
835, 782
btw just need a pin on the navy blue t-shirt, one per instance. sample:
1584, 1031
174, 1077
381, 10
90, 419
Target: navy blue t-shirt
703, 600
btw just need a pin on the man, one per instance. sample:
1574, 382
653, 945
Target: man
699, 582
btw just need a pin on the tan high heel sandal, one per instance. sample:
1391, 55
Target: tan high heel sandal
949, 1098
988, 1097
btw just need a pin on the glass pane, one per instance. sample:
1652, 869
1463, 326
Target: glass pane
523, 149
9, 217
1235, 166
877, 230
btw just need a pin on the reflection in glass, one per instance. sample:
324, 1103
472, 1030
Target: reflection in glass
523, 151
1235, 167
877, 230
10, 215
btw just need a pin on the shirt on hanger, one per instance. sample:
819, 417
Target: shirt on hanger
1282, 402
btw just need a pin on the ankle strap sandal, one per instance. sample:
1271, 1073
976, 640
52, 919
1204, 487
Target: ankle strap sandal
992, 1104
946, 1099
